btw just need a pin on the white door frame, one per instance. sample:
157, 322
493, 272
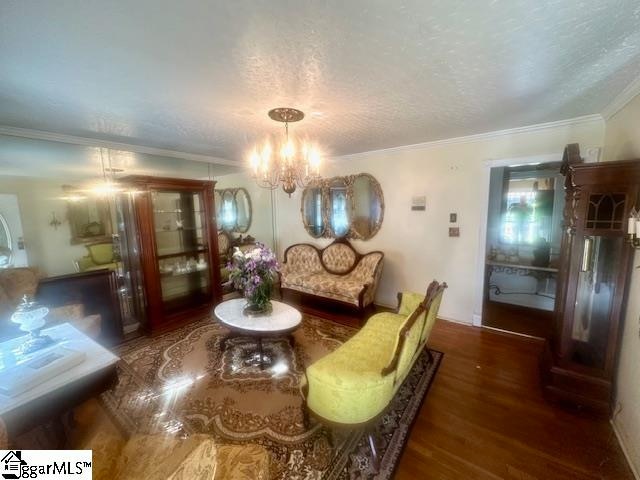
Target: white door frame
482, 240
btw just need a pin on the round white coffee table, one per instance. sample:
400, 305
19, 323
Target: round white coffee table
283, 320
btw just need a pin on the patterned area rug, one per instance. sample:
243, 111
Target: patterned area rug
183, 382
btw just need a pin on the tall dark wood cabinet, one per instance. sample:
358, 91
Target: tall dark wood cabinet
579, 363
170, 248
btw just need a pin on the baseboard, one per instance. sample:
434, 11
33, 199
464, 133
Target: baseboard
624, 448
383, 305
455, 320
132, 327
440, 317
509, 332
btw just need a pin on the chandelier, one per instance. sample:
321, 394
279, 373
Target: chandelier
294, 164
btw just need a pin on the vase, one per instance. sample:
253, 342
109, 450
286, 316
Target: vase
258, 300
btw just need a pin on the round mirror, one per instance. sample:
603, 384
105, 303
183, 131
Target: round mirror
6, 254
368, 206
234, 211
228, 211
243, 210
339, 207
313, 211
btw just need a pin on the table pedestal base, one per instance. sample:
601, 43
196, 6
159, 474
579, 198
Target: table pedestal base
259, 358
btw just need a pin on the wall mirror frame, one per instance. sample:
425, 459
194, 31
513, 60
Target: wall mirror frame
89, 216
234, 211
349, 207
6, 244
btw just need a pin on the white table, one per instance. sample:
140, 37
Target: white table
61, 391
283, 320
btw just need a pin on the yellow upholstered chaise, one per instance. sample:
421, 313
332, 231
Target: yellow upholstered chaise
354, 384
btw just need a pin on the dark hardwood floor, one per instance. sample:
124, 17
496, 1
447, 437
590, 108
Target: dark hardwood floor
514, 318
485, 418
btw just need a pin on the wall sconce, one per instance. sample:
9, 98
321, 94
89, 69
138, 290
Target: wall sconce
633, 231
55, 223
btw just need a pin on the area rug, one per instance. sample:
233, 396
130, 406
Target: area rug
183, 383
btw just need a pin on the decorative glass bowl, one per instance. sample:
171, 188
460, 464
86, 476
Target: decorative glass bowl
31, 317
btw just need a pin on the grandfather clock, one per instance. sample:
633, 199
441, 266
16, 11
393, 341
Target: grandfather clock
579, 363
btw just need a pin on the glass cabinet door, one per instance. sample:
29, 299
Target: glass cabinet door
597, 278
181, 248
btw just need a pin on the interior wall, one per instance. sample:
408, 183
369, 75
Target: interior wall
416, 244
48, 248
261, 227
622, 141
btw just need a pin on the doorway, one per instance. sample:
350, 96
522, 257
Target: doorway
524, 231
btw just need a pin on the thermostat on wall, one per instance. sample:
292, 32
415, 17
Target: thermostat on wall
419, 203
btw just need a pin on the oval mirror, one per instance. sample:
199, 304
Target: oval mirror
6, 254
217, 199
368, 207
243, 210
313, 211
339, 207
228, 211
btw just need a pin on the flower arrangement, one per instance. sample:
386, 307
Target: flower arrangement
253, 273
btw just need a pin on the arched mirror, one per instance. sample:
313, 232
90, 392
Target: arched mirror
233, 208
217, 198
339, 208
367, 206
228, 211
312, 211
350, 207
243, 209
6, 252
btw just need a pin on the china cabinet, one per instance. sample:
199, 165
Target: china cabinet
169, 248
579, 363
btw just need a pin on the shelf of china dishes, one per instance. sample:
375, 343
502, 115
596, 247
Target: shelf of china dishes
184, 268
178, 211
162, 254
181, 229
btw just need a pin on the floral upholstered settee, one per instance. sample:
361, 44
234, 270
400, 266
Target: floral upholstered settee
336, 272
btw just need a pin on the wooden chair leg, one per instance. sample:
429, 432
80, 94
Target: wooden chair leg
430, 355
375, 454
306, 419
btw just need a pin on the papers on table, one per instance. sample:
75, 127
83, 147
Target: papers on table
32, 370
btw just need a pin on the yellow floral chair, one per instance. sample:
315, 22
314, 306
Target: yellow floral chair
99, 255
354, 384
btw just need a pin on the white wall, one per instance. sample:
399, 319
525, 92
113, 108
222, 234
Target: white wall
261, 227
453, 176
48, 249
622, 141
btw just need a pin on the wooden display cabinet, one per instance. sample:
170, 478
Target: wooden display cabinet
172, 250
579, 363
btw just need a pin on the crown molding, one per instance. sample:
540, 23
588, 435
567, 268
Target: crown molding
621, 100
126, 147
585, 119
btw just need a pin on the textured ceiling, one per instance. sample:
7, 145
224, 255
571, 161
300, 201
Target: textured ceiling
41, 158
199, 76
